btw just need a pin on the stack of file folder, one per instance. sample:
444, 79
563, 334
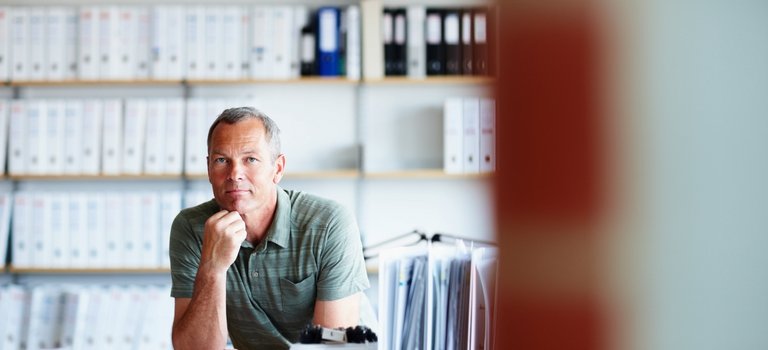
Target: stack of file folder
437, 296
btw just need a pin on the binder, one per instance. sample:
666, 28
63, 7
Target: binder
245, 42
112, 137
130, 240
174, 42
160, 37
109, 42
373, 47
14, 301
388, 33
467, 44
118, 244
6, 202
78, 240
4, 126
39, 236
55, 41
231, 31
416, 52
5, 43
71, 31
399, 38
96, 242
195, 149
143, 46
213, 45
282, 24
88, 43
354, 46
17, 138
20, 40
37, 113
74, 325
195, 32
170, 205
328, 41
125, 53
92, 135
174, 136
149, 230
300, 19
480, 26
54, 137
57, 230
21, 240
451, 39
471, 115
72, 161
37, 50
487, 135
308, 44
453, 136
435, 44
262, 45
155, 136
134, 127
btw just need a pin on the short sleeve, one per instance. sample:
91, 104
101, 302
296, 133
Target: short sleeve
342, 267
184, 251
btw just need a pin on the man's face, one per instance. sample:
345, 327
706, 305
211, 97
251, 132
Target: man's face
240, 167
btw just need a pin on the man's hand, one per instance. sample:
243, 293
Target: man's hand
224, 232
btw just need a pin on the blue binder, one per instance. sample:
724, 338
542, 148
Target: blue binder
328, 53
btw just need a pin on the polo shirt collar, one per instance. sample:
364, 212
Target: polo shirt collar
279, 231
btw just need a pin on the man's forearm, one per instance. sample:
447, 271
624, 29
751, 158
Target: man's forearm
204, 324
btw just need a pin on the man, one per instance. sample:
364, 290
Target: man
258, 263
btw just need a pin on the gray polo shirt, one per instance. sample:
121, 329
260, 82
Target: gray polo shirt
311, 251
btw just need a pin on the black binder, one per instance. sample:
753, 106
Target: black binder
400, 41
388, 37
452, 41
467, 42
480, 37
307, 51
434, 40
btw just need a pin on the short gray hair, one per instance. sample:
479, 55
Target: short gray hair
238, 114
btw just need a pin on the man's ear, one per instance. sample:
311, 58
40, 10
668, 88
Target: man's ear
279, 168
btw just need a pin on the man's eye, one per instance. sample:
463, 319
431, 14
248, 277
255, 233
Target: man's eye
220, 160
251, 160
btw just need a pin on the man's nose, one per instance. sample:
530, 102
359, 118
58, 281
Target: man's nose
236, 171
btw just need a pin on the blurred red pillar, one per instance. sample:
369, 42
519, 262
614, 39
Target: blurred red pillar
549, 177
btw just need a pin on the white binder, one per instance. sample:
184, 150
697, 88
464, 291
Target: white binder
174, 137
110, 42
5, 42
96, 230
175, 41
231, 33
471, 135
4, 121
22, 235
170, 205
55, 41
71, 31
39, 236
195, 149
57, 230
134, 127
453, 136
37, 146
143, 46
73, 137
6, 203
78, 230
300, 18
262, 35
115, 231
17, 138
195, 35
127, 39
487, 135
91, 136
54, 135
213, 44
149, 230
354, 59
156, 131
373, 47
88, 39
416, 52
130, 239
112, 137
37, 50
20, 41
159, 40
282, 25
